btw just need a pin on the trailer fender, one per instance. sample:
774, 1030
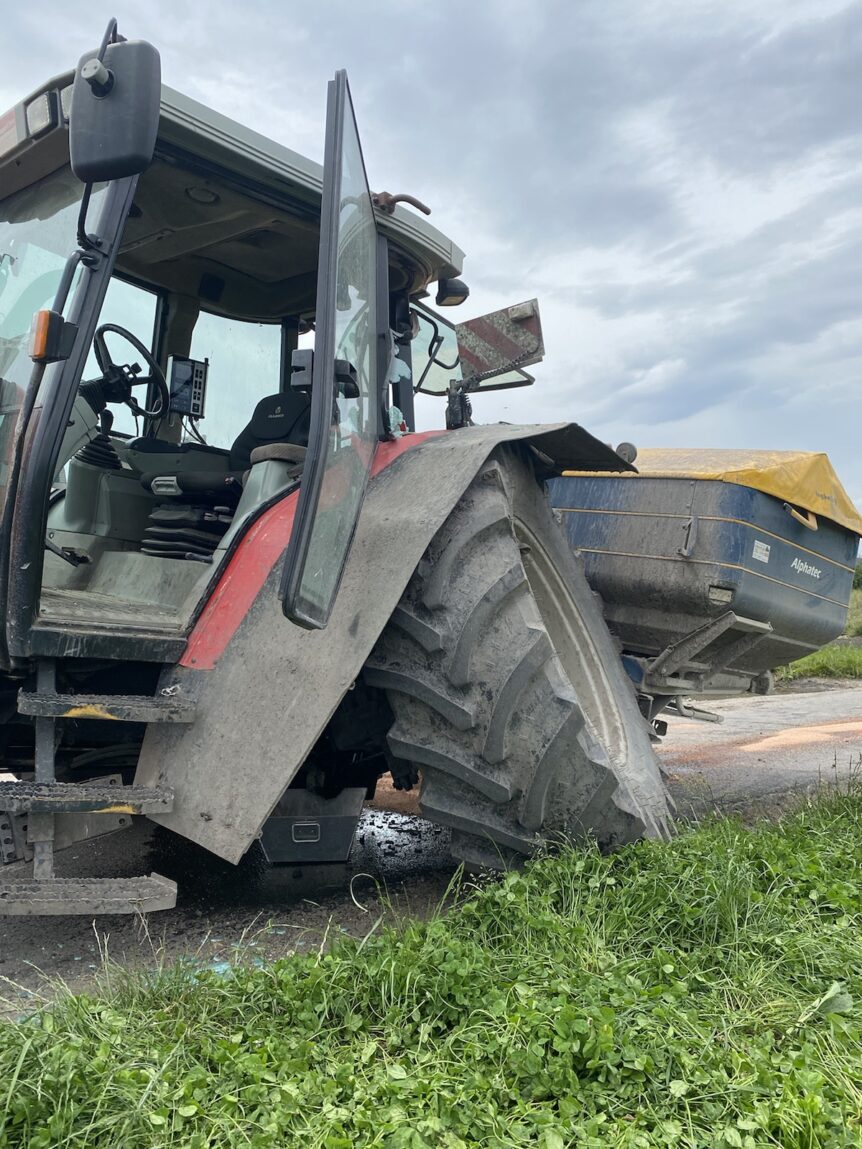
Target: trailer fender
264, 688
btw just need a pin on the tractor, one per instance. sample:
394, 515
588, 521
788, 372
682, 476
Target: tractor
237, 586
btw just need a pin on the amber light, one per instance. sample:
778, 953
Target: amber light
40, 334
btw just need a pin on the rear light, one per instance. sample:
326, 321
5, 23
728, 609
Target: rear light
39, 114
28, 121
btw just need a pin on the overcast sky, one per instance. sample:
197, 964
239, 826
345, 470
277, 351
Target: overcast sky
680, 183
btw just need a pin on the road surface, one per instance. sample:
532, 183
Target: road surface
765, 750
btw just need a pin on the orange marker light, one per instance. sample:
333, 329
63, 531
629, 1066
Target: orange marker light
40, 335
51, 337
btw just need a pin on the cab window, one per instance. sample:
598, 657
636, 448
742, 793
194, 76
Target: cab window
134, 308
244, 366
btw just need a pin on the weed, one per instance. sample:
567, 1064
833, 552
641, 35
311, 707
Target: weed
854, 617
830, 662
697, 993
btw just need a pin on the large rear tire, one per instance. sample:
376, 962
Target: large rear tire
507, 690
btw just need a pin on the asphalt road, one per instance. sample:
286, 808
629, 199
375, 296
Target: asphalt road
764, 753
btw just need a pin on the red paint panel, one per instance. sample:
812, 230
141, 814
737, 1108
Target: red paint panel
249, 566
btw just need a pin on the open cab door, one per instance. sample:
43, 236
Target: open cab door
343, 374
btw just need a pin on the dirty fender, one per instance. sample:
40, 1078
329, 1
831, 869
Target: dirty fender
265, 689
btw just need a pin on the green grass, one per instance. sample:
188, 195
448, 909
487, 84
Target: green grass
854, 618
702, 993
833, 661
830, 662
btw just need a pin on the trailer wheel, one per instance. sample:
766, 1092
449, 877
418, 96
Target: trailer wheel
507, 691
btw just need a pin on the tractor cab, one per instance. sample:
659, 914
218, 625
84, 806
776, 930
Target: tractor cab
195, 320
161, 400
208, 347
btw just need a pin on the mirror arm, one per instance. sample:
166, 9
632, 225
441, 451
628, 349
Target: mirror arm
110, 37
100, 78
65, 284
87, 243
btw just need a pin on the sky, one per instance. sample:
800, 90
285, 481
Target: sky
679, 183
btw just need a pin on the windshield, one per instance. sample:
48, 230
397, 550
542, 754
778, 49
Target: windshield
37, 235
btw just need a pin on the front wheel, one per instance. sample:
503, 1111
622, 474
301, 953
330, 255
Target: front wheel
508, 692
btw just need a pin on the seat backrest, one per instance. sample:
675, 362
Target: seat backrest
282, 418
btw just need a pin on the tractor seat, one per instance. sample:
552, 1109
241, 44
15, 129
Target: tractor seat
200, 504
279, 421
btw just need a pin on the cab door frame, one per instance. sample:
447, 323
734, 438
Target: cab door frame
52, 395
348, 228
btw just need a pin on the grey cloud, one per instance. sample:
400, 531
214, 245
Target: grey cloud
542, 132
773, 97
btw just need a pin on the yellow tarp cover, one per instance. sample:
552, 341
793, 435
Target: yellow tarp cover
804, 478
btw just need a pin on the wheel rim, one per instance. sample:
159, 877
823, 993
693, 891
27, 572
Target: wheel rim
574, 645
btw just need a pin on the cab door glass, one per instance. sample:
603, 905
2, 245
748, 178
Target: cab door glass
134, 308
344, 425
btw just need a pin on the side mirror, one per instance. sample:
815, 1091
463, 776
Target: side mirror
114, 118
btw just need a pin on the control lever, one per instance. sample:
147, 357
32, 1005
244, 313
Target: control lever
75, 558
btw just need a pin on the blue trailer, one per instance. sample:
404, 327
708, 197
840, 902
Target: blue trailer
714, 566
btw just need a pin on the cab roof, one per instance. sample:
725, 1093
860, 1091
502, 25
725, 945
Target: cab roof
224, 206
198, 129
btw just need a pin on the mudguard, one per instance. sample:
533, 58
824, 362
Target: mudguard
264, 688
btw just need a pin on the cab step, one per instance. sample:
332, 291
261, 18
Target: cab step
45, 798
88, 896
109, 707
72, 798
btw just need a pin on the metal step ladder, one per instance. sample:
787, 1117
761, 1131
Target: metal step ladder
45, 797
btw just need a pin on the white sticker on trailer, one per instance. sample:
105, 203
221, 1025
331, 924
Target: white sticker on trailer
760, 551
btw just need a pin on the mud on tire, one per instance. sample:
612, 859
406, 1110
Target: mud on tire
507, 690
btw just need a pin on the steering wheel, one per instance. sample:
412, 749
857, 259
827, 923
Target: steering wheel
117, 381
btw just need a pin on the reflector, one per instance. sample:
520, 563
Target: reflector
8, 132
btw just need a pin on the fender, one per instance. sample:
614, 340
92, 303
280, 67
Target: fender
265, 688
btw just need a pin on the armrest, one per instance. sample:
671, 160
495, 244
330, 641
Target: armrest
281, 452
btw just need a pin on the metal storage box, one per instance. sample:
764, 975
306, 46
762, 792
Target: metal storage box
715, 563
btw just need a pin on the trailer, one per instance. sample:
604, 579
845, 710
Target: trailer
714, 567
